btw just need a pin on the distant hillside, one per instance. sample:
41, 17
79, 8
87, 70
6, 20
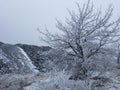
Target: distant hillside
36, 55
13, 59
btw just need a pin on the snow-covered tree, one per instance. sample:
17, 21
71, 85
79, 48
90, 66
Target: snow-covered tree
86, 33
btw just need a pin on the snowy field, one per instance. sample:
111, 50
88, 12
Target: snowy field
60, 81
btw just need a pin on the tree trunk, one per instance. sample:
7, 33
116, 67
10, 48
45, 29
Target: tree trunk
79, 72
118, 60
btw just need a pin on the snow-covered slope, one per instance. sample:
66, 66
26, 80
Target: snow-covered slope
13, 59
36, 54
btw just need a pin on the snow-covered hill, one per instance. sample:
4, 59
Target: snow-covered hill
13, 59
37, 55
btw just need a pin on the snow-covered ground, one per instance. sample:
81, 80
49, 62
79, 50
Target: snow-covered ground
59, 81
18, 81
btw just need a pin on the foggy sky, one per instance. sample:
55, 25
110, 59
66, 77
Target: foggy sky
20, 18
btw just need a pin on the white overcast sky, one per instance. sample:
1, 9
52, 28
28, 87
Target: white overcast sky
20, 18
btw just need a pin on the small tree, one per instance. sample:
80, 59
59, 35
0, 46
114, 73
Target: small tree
86, 33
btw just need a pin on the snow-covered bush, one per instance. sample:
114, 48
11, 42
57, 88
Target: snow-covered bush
60, 81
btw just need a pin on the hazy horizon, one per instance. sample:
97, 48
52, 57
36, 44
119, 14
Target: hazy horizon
20, 19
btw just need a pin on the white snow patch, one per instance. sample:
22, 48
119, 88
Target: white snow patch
28, 61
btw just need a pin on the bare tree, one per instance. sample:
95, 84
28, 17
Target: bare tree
86, 33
